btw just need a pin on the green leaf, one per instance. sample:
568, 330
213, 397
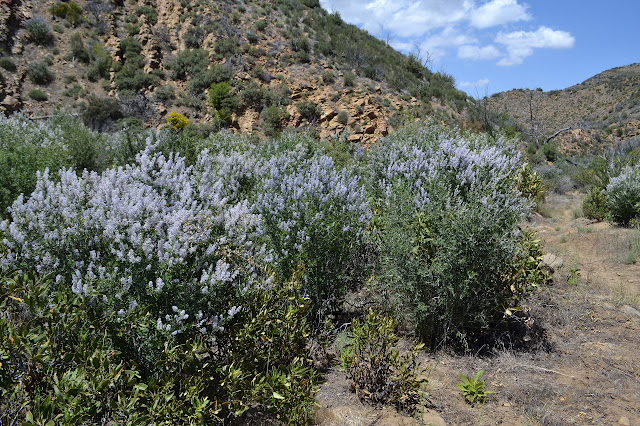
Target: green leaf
276, 395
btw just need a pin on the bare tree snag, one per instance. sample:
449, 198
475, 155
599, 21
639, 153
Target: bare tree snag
557, 133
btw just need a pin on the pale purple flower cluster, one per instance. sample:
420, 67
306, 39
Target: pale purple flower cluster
307, 201
446, 168
630, 176
155, 230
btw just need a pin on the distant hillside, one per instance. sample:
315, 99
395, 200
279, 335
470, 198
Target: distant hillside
603, 110
272, 64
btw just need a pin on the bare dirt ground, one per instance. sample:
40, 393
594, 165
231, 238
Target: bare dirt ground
586, 368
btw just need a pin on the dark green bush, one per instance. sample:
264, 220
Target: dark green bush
130, 47
78, 49
194, 37
39, 73
343, 117
452, 266
269, 357
71, 11
309, 110
7, 64
222, 100
100, 62
300, 44
225, 47
66, 360
188, 63
550, 151
219, 93
25, 148
260, 24
203, 80
39, 31
594, 205
165, 93
272, 119
348, 79
38, 95
101, 112
328, 77
151, 13
623, 196
131, 78
252, 38
252, 96
84, 147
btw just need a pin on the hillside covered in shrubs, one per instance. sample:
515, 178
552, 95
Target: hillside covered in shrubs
249, 66
169, 278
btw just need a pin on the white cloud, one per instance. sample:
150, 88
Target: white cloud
479, 83
434, 45
520, 44
475, 52
435, 26
498, 12
404, 18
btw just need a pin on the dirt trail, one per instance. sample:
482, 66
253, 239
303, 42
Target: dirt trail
590, 370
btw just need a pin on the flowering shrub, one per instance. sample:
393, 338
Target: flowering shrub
450, 244
176, 121
171, 255
623, 194
314, 214
27, 146
156, 233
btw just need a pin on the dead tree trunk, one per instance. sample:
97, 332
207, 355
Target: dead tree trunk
557, 133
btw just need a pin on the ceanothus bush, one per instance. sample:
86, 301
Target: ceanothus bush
173, 238
450, 240
317, 215
623, 196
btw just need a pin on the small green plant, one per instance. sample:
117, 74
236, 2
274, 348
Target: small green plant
260, 25
39, 73
328, 77
473, 388
530, 184
343, 117
574, 275
101, 112
309, 110
348, 79
8, 64
380, 375
272, 119
594, 205
38, 95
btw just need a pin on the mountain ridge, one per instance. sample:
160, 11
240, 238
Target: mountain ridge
602, 111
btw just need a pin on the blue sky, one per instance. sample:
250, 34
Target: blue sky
491, 46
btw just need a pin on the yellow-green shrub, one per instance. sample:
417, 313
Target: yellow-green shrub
176, 121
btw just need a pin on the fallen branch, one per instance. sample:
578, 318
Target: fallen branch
557, 133
546, 370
